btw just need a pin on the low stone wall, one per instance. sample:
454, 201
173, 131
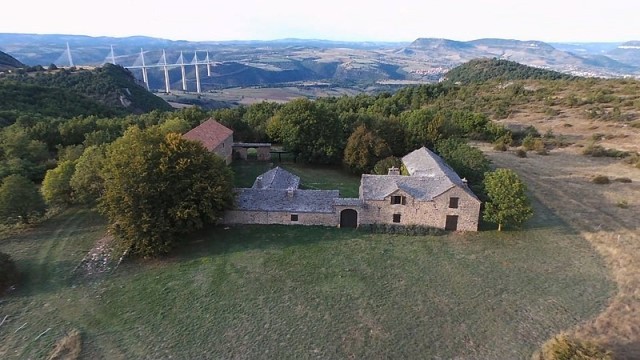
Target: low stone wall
277, 217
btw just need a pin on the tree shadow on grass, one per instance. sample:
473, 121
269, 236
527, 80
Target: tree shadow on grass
215, 240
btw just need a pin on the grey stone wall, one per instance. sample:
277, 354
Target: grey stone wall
225, 150
276, 217
426, 213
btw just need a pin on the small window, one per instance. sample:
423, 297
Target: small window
398, 199
453, 203
294, 217
396, 218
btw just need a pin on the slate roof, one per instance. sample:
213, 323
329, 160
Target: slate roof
277, 178
429, 177
210, 133
301, 201
424, 162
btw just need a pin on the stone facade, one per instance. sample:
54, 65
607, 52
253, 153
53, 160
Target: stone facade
431, 213
279, 217
225, 149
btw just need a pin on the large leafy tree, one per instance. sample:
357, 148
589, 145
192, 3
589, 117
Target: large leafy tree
87, 182
56, 186
364, 149
467, 161
20, 201
158, 187
311, 130
508, 202
422, 127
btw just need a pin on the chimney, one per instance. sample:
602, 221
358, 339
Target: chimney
258, 182
290, 192
465, 182
394, 171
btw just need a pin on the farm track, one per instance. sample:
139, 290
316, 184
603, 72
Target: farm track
587, 208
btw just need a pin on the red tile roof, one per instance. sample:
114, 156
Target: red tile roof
210, 133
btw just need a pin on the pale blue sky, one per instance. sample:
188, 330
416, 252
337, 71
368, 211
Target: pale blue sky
398, 20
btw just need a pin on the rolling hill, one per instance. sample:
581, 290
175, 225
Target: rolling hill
107, 90
8, 62
482, 70
294, 61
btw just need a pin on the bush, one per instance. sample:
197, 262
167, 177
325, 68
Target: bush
623, 204
500, 146
8, 272
382, 166
521, 153
411, 230
563, 347
599, 151
601, 180
625, 180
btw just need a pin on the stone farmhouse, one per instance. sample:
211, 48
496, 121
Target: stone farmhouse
431, 195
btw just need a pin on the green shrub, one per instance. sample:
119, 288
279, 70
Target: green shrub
8, 272
411, 230
601, 180
521, 153
563, 347
623, 204
500, 146
600, 151
527, 142
625, 180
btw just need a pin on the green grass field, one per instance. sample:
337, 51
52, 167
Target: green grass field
305, 292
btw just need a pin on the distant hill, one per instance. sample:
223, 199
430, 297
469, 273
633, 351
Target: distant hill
8, 62
108, 90
293, 61
481, 70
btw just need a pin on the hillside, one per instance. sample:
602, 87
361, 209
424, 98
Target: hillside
289, 62
19, 98
8, 62
481, 70
106, 90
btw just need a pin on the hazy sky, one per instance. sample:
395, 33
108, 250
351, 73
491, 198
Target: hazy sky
396, 20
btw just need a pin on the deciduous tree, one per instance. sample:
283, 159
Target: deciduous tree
56, 186
158, 187
20, 201
508, 202
364, 149
87, 182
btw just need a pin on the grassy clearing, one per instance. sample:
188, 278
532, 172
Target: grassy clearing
303, 292
562, 181
311, 177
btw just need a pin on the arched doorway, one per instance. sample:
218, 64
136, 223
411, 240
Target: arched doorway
348, 218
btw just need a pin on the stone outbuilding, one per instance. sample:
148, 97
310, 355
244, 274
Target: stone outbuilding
216, 137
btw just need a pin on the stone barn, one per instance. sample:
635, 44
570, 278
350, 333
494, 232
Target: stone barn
216, 137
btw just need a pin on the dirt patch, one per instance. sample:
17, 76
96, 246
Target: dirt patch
67, 348
561, 181
98, 260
